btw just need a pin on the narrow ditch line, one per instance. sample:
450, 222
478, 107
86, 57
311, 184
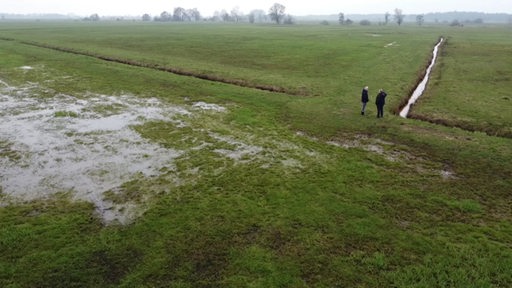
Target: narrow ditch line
463, 126
423, 83
418, 92
177, 71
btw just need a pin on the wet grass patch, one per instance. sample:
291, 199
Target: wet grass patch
7, 151
172, 135
66, 114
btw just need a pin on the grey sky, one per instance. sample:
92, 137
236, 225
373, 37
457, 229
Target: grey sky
207, 7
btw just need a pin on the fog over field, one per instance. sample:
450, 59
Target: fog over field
207, 8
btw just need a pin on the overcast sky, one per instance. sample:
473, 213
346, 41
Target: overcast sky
207, 7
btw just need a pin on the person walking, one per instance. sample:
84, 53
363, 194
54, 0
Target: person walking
364, 99
380, 101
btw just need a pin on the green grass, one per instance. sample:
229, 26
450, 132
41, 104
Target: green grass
66, 114
311, 59
302, 213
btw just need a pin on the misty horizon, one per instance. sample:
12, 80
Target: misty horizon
207, 8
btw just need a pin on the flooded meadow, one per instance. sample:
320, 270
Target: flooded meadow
87, 146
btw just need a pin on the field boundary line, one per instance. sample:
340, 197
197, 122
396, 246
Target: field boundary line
176, 71
490, 131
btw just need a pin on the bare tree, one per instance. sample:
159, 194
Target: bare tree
456, 23
341, 18
386, 18
236, 14
146, 17
179, 14
420, 19
217, 16
93, 17
224, 15
399, 16
164, 16
276, 12
257, 16
288, 19
365, 22
194, 14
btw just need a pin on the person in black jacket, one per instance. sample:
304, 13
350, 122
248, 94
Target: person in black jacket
380, 101
364, 99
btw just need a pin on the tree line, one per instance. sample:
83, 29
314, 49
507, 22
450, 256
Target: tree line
398, 18
276, 13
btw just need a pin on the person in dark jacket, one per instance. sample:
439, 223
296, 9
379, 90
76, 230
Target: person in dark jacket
364, 99
380, 101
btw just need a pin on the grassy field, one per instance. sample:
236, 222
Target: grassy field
281, 190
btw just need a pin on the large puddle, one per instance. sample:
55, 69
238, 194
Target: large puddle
80, 145
85, 146
422, 85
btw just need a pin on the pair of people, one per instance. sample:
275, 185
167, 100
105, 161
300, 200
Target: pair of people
379, 101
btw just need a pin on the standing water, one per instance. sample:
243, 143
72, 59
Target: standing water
421, 87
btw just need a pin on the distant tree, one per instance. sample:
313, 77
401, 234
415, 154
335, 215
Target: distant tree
324, 22
386, 18
216, 16
276, 12
93, 17
257, 16
348, 22
288, 19
146, 17
194, 14
420, 19
164, 17
225, 16
399, 16
365, 23
236, 14
179, 14
341, 18
456, 23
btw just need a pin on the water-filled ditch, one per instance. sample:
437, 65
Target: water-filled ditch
423, 84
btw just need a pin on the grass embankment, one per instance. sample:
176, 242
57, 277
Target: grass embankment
304, 213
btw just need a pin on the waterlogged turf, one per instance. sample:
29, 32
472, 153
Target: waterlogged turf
83, 145
218, 185
88, 145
